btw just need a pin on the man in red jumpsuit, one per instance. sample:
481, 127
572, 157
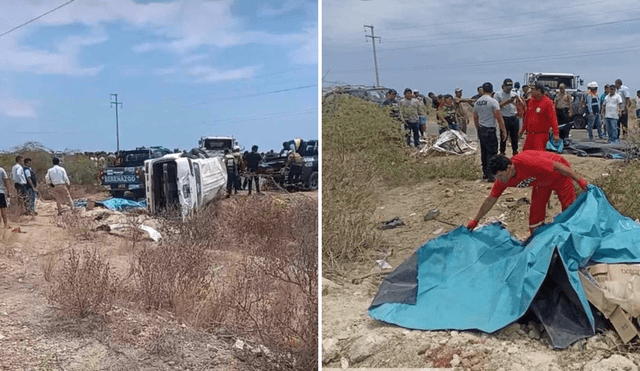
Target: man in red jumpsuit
544, 171
539, 118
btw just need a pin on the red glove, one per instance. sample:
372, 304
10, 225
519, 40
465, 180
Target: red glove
472, 224
583, 184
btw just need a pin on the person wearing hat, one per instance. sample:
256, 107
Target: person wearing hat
462, 117
392, 103
539, 119
410, 112
592, 102
507, 99
486, 116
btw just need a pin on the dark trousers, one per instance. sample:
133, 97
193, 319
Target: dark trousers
232, 181
415, 129
512, 124
251, 178
622, 123
294, 173
563, 115
23, 195
488, 148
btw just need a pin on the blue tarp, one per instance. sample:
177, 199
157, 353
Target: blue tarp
487, 279
122, 204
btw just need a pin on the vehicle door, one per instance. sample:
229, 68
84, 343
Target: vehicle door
184, 183
148, 178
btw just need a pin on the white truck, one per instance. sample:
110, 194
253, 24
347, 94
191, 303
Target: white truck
183, 182
572, 83
216, 145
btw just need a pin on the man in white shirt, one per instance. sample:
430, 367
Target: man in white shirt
4, 184
612, 109
624, 94
57, 178
20, 184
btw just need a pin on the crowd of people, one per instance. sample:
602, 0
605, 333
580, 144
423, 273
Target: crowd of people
509, 114
25, 181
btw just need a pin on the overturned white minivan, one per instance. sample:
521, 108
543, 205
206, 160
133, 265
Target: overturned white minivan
183, 182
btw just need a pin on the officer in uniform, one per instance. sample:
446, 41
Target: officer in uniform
232, 171
294, 163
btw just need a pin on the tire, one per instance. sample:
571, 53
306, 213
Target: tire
117, 194
579, 122
312, 183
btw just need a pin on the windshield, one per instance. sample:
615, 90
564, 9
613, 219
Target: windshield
218, 144
554, 81
135, 158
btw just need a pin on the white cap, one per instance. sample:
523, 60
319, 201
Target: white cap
592, 84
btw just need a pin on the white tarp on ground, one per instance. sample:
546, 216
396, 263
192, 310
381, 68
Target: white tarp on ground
451, 142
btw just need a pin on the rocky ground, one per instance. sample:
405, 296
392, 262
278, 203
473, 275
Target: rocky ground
350, 339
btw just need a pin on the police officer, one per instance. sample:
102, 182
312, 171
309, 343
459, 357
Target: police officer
232, 171
294, 162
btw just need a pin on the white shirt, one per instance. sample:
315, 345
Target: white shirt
17, 174
3, 177
57, 175
623, 92
611, 103
637, 101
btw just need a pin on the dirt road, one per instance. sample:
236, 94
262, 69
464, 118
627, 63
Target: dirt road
350, 338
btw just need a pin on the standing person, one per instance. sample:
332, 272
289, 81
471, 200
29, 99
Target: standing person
602, 98
447, 115
636, 100
544, 171
507, 100
32, 182
231, 165
410, 111
538, 120
462, 116
434, 100
294, 163
423, 117
564, 105
593, 110
486, 116
20, 184
58, 179
612, 110
4, 195
516, 89
477, 96
253, 161
624, 94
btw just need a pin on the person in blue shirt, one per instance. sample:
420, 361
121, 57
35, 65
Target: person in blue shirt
593, 110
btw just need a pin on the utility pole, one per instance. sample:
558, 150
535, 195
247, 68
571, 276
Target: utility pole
375, 59
117, 129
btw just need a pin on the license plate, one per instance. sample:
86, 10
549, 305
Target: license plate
120, 179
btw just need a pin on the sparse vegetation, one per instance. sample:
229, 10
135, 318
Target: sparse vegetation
363, 151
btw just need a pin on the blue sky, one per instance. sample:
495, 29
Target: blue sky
182, 69
440, 45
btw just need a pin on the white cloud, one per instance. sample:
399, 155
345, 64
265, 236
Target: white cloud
13, 107
209, 74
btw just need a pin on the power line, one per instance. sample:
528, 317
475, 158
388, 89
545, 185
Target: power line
623, 49
497, 37
251, 95
38, 17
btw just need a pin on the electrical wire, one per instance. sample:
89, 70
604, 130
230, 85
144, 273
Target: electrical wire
38, 17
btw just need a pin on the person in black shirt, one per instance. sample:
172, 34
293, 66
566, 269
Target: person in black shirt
253, 160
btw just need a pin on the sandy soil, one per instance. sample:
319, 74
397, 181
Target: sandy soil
34, 337
351, 339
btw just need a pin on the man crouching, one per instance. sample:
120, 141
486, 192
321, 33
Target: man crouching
544, 171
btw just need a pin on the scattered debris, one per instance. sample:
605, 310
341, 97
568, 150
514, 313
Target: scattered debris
432, 214
392, 223
383, 264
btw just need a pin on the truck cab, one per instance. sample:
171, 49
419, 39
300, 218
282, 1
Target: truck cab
216, 145
128, 172
572, 84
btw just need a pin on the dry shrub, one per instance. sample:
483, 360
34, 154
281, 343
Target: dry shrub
82, 227
84, 284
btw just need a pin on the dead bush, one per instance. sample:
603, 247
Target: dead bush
83, 284
82, 227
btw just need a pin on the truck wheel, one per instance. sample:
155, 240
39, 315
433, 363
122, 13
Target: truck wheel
117, 194
579, 122
312, 183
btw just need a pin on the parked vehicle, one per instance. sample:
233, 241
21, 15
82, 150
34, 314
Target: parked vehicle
275, 167
572, 83
377, 94
216, 145
128, 172
183, 182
